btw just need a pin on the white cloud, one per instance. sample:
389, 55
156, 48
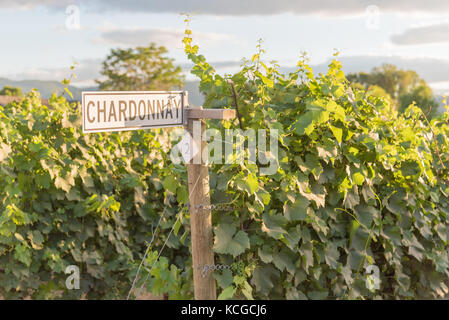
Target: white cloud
423, 35
441, 87
30, 4
86, 71
239, 7
170, 38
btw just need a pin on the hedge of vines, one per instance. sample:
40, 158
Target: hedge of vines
72, 199
357, 185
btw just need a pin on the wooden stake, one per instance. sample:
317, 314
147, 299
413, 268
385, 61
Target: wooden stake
200, 212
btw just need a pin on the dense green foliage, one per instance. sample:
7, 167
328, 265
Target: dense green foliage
358, 184
74, 199
403, 87
141, 68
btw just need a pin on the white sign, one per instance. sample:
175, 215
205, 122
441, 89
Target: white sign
132, 110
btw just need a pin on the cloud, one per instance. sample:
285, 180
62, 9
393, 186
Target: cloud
423, 35
86, 71
239, 7
30, 4
441, 87
171, 38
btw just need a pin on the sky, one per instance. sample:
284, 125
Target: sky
42, 38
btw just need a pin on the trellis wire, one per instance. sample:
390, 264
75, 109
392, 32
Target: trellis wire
145, 255
163, 246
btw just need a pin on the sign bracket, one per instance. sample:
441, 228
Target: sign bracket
105, 111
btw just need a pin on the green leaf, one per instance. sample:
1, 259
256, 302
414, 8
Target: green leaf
298, 210
23, 254
68, 92
317, 295
183, 237
410, 168
252, 184
263, 196
273, 225
229, 242
130, 180
36, 239
393, 233
170, 183
177, 226
294, 294
306, 123
344, 186
264, 278
7, 228
339, 112
284, 261
43, 180
224, 279
247, 291
265, 254
366, 214
182, 194
338, 133
306, 251
227, 293
268, 82
331, 255
358, 178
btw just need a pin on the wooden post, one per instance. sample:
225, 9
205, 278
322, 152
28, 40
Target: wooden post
199, 190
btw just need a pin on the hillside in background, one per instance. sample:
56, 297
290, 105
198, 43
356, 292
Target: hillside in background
195, 97
47, 87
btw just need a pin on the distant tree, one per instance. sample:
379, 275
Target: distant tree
423, 96
141, 68
403, 87
11, 91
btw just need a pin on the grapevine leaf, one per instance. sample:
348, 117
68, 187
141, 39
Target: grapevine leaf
224, 279
298, 210
338, 133
263, 278
229, 242
227, 293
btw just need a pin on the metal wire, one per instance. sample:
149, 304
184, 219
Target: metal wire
145, 255
160, 252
